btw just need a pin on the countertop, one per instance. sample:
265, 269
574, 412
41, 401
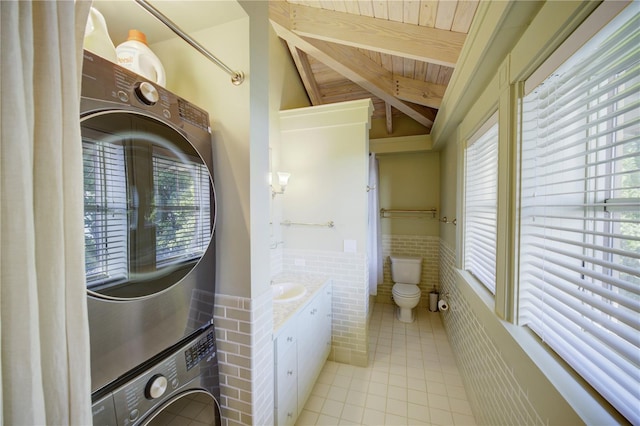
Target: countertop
283, 311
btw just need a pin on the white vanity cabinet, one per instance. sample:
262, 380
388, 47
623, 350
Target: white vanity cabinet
301, 348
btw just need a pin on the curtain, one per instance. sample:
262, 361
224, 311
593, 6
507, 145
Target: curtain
374, 249
44, 328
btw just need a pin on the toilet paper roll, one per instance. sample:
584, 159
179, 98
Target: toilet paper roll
443, 305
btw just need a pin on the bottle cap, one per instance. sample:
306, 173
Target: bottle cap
137, 36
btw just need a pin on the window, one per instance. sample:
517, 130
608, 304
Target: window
579, 273
480, 204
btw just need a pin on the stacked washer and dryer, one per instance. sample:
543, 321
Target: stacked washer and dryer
150, 211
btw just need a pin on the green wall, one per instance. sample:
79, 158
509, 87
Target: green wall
410, 180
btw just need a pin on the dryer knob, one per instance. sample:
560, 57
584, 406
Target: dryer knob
147, 93
156, 387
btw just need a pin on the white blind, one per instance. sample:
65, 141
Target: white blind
580, 213
480, 211
105, 212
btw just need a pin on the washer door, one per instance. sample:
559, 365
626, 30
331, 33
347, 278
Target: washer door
192, 407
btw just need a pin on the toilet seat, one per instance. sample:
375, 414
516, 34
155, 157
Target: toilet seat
405, 290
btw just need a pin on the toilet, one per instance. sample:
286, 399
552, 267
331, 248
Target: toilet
405, 273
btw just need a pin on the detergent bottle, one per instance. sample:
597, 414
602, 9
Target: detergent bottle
134, 54
96, 36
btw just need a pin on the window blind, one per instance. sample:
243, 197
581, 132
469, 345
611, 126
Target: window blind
480, 206
579, 275
182, 209
105, 212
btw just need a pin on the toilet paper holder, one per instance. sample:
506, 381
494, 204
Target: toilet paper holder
443, 305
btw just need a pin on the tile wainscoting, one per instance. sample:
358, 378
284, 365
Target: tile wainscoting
350, 298
494, 393
244, 330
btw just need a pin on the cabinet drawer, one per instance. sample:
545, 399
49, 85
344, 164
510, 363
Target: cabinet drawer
285, 341
286, 376
287, 412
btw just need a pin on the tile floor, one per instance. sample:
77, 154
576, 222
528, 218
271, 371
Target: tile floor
412, 379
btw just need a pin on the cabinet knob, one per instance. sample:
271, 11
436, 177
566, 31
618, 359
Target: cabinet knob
289, 372
290, 339
289, 414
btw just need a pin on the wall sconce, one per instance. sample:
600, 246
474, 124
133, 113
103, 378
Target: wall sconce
283, 180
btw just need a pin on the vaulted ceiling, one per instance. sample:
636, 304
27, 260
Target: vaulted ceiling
399, 53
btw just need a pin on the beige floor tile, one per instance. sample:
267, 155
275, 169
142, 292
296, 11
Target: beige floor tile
396, 407
352, 413
314, 403
332, 408
440, 417
324, 420
341, 381
337, 393
376, 402
320, 389
393, 420
418, 412
372, 417
357, 398
307, 418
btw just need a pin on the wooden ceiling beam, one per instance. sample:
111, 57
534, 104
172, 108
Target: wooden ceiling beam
419, 92
388, 113
416, 42
306, 74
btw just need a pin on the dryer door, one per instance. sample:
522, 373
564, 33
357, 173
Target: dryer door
149, 205
196, 407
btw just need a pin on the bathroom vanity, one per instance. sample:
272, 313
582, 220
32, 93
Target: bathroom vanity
302, 341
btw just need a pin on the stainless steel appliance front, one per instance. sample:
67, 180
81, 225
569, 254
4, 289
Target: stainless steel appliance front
149, 218
177, 387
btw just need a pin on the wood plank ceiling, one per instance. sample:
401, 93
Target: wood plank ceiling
399, 53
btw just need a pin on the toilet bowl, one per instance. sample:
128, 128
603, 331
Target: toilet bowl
405, 273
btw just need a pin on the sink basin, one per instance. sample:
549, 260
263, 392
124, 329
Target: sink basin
287, 292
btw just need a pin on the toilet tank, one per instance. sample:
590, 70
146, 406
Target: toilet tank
406, 269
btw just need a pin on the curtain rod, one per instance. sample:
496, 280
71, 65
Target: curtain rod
237, 77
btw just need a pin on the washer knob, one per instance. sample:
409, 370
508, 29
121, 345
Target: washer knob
156, 387
147, 93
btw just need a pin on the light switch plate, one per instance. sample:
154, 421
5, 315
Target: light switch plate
350, 246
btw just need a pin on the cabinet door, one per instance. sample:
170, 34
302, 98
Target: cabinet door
286, 375
326, 320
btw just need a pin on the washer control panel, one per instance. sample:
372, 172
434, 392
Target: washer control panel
131, 402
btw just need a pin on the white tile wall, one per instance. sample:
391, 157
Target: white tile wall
350, 301
426, 247
494, 393
245, 355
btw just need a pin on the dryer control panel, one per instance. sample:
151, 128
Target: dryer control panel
126, 88
162, 378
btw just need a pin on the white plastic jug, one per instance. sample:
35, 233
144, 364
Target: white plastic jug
134, 54
96, 36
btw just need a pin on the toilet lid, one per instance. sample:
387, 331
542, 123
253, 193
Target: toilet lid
407, 290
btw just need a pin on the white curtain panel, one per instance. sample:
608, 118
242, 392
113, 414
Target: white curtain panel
44, 328
374, 249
